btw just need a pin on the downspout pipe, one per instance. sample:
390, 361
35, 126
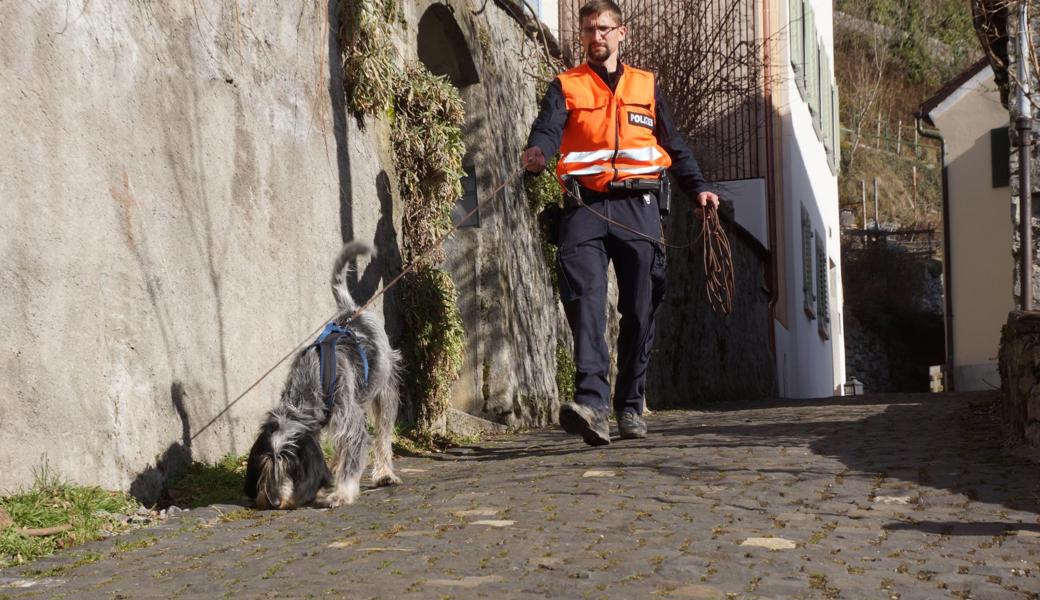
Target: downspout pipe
947, 271
1024, 139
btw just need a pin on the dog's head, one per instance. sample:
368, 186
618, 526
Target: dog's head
286, 468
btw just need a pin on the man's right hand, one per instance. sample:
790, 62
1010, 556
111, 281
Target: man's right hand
533, 159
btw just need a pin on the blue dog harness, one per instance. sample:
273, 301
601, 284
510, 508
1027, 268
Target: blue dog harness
332, 336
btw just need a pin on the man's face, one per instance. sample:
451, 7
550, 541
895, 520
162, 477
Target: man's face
601, 36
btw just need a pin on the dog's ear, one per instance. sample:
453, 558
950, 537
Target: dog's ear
309, 472
260, 456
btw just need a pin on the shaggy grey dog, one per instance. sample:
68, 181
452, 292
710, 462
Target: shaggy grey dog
286, 468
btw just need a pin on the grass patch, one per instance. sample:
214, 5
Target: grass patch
131, 545
90, 512
203, 484
85, 559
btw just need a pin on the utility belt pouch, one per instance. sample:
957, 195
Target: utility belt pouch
664, 195
572, 198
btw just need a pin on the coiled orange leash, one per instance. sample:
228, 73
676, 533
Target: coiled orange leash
718, 262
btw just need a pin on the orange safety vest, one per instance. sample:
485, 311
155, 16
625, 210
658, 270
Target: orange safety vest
609, 136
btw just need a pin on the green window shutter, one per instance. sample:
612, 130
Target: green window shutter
808, 268
1000, 154
796, 35
825, 95
835, 127
822, 289
811, 58
825, 100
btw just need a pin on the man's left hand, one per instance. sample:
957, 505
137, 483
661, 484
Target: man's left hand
704, 198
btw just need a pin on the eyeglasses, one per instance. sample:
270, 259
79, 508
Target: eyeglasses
603, 30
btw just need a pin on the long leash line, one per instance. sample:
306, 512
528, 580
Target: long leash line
718, 255
659, 240
411, 267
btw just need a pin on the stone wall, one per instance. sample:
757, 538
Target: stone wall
1020, 375
866, 358
177, 181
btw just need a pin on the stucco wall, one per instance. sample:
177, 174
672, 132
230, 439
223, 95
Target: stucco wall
178, 177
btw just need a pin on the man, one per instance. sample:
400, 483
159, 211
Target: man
616, 138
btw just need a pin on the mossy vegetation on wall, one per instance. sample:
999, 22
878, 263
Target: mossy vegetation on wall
545, 199
371, 75
426, 124
425, 114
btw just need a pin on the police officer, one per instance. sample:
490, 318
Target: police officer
616, 139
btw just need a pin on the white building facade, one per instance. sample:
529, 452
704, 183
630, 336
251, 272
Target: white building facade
808, 323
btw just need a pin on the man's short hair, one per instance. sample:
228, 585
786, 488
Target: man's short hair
596, 7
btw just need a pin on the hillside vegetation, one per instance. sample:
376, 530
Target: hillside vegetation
890, 56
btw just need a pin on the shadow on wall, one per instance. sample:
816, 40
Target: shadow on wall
149, 484
337, 99
387, 262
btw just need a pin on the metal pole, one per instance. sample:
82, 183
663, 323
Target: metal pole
863, 194
877, 218
1025, 211
947, 271
913, 202
1024, 124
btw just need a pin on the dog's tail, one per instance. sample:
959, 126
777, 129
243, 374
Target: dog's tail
340, 291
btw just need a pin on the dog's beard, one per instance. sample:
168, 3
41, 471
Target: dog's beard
289, 478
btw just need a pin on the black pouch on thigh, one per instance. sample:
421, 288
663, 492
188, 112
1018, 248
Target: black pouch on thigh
549, 223
658, 278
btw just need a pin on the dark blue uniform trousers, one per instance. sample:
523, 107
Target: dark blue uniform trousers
587, 244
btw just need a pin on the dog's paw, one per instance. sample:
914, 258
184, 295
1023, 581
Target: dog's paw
385, 479
339, 496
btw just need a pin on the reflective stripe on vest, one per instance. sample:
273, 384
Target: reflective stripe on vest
609, 136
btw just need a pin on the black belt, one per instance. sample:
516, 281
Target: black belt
623, 190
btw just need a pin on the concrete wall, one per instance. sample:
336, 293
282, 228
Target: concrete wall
980, 231
177, 181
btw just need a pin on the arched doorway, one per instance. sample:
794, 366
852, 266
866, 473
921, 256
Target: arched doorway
443, 49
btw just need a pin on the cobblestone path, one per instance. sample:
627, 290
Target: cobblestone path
891, 497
